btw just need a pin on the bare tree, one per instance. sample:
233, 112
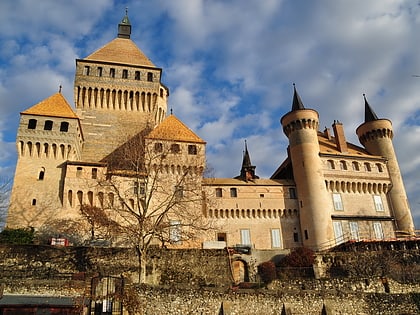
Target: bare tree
5, 187
154, 195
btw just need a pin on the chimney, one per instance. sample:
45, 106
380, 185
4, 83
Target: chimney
327, 133
340, 138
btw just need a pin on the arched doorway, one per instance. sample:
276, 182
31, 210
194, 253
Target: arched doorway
240, 271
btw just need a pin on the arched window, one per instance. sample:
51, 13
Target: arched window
32, 123
41, 174
64, 126
70, 198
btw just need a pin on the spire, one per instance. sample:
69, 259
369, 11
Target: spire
124, 28
247, 169
369, 113
246, 162
297, 102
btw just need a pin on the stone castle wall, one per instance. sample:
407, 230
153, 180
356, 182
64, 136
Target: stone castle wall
195, 282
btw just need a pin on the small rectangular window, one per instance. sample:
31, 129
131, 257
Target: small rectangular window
48, 125
219, 192
295, 237
379, 206
99, 72
306, 235
86, 70
150, 76
179, 192
245, 237
137, 75
233, 192
354, 230
79, 171
192, 149
338, 204
275, 238
32, 124
175, 148
175, 231
377, 227
94, 173
125, 74
292, 193
158, 147
64, 126
221, 237
112, 73
34, 202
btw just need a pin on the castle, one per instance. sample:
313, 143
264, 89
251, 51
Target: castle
325, 192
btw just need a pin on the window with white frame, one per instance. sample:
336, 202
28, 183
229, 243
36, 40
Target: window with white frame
354, 230
338, 232
379, 206
377, 228
175, 231
338, 203
245, 237
275, 238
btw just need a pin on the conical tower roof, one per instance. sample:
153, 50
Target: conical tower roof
173, 129
297, 102
53, 106
369, 113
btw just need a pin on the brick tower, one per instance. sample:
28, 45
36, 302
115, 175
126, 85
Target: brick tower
117, 93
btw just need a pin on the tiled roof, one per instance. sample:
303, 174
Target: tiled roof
53, 106
173, 129
121, 50
330, 147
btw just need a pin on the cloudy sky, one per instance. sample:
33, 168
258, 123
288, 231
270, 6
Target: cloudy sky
230, 65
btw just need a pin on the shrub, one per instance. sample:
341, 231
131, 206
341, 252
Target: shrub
267, 271
17, 236
300, 257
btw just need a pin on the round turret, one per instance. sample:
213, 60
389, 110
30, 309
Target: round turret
376, 136
301, 127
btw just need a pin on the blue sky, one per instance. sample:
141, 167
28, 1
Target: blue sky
230, 65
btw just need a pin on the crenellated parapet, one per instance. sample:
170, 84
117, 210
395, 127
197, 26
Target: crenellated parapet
374, 130
298, 120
